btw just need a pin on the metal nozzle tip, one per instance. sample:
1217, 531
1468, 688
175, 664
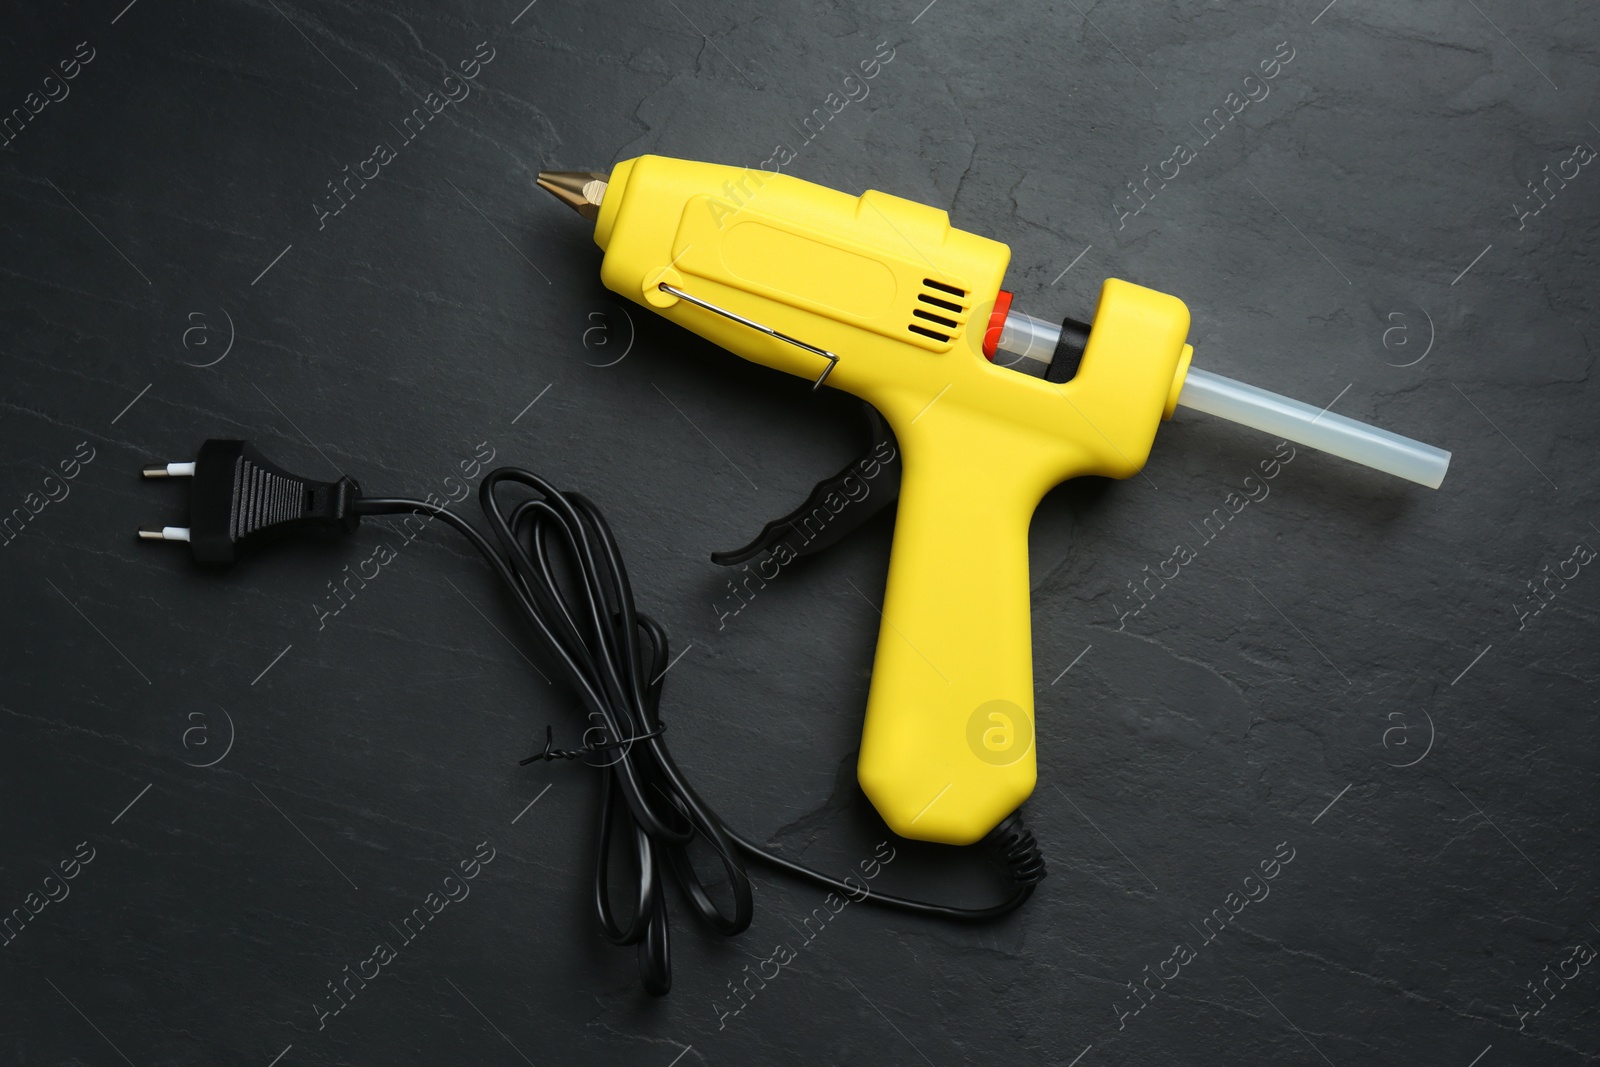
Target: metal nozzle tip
581, 190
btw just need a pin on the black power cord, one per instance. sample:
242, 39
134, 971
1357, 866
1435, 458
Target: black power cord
560, 563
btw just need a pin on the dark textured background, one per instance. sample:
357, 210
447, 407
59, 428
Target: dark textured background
1347, 624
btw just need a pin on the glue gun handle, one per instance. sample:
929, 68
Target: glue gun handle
947, 748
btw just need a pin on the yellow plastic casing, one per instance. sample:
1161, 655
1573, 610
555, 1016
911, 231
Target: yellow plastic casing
947, 749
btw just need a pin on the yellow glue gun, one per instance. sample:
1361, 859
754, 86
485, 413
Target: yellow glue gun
881, 297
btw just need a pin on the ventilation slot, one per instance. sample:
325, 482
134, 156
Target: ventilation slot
944, 323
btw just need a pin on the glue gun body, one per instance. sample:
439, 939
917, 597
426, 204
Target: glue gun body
881, 297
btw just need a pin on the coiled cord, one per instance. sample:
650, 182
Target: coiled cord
560, 562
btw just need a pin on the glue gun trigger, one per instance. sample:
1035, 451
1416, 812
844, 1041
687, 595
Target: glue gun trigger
836, 506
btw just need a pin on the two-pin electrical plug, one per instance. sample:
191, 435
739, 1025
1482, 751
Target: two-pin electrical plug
238, 499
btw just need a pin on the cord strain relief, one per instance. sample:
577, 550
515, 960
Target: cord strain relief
1024, 862
345, 493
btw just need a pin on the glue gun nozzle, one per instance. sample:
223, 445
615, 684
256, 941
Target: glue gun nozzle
581, 190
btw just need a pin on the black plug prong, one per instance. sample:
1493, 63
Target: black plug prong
169, 470
163, 533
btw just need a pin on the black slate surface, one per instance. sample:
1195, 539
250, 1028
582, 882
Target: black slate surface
1350, 675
